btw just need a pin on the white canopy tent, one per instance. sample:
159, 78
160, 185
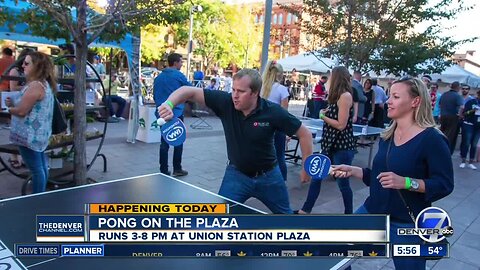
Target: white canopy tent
306, 63
309, 63
449, 75
457, 73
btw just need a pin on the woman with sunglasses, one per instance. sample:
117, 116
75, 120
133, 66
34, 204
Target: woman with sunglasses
16, 70
32, 114
412, 167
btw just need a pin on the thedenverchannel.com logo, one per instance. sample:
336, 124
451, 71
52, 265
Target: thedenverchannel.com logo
432, 225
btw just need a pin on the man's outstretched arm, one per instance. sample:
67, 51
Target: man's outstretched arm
182, 94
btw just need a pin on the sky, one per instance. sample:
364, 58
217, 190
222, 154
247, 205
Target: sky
467, 25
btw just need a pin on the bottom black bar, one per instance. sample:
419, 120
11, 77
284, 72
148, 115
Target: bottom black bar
208, 250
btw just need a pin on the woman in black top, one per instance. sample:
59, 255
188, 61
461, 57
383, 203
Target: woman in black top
368, 113
337, 139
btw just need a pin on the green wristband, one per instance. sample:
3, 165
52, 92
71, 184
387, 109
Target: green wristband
169, 103
321, 116
408, 183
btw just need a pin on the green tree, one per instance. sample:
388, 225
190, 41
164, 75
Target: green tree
246, 36
153, 42
223, 34
379, 35
79, 22
211, 35
205, 27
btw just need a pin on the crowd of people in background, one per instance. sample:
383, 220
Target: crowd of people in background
461, 112
454, 111
213, 81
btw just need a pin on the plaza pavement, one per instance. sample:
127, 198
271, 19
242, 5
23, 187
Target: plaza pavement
205, 159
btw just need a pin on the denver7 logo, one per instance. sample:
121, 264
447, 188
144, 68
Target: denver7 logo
433, 224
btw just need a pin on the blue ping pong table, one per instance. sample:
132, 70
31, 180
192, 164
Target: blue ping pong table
359, 131
18, 225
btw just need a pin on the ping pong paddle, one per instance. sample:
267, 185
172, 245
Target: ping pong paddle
173, 131
317, 166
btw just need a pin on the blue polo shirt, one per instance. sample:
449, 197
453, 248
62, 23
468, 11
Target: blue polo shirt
450, 103
169, 80
198, 75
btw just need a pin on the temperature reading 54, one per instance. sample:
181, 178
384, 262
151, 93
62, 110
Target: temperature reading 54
435, 250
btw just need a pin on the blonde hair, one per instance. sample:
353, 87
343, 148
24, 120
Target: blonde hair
270, 76
423, 116
339, 83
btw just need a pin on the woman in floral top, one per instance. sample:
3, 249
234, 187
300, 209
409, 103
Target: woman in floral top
32, 114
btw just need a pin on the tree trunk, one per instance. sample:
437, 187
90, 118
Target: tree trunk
133, 65
80, 123
349, 33
246, 55
207, 66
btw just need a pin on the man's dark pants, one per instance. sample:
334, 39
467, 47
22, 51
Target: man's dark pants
449, 125
177, 156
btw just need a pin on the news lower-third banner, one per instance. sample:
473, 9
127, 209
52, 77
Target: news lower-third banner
214, 228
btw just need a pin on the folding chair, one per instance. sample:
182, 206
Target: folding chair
200, 122
199, 84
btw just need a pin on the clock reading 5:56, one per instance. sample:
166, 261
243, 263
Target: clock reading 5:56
406, 250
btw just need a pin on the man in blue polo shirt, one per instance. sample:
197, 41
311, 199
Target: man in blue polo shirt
169, 80
198, 76
451, 104
249, 123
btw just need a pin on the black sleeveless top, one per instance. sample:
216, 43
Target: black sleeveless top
368, 103
334, 139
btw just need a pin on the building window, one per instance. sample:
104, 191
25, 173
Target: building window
280, 19
295, 18
289, 18
274, 21
256, 18
261, 18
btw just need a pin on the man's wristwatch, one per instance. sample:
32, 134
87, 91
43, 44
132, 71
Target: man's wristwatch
414, 185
